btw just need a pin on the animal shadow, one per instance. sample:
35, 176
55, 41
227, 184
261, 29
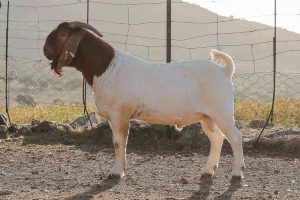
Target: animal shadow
233, 187
203, 192
205, 187
95, 189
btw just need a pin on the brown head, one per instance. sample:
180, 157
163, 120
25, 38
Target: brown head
78, 45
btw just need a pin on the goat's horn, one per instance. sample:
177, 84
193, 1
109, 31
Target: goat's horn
85, 25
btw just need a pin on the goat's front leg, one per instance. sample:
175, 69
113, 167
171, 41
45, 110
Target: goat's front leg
120, 128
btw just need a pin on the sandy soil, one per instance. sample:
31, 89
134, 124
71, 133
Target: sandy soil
53, 165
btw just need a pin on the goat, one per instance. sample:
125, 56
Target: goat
126, 87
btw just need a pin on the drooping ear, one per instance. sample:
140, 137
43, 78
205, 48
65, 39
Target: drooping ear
70, 49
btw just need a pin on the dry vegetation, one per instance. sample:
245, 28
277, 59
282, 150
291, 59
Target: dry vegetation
58, 113
287, 112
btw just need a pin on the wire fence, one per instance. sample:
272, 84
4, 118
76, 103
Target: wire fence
139, 27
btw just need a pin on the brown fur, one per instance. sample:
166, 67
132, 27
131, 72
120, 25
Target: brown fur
92, 57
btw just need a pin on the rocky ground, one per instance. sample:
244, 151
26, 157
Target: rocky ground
51, 161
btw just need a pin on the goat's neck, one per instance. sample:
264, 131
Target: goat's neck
93, 57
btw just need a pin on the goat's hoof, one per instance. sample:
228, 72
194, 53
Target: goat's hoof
236, 178
244, 168
205, 177
114, 176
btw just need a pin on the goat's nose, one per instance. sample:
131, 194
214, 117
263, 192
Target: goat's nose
47, 53
45, 50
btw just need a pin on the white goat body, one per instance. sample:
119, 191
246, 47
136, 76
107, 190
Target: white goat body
177, 93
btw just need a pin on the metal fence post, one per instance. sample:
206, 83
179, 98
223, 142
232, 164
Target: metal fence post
85, 111
168, 53
6, 66
274, 73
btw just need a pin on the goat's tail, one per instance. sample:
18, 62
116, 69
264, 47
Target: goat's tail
226, 59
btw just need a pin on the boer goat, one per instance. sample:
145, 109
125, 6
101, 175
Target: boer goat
126, 87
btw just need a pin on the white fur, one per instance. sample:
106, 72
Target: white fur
177, 93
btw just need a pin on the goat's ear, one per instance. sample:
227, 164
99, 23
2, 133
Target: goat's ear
70, 49
63, 34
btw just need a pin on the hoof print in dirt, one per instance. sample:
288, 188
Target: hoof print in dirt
206, 177
5, 192
236, 179
184, 181
114, 176
44, 126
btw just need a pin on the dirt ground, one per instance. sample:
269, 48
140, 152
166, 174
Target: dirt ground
55, 165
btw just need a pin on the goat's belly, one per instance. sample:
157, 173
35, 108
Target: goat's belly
170, 119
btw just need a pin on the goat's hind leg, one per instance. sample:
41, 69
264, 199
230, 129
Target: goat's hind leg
228, 128
216, 139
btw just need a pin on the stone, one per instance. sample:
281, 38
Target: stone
238, 124
103, 124
14, 128
104, 128
3, 120
25, 129
292, 143
107, 134
257, 123
158, 128
83, 121
44, 126
35, 122
3, 129
3, 132
267, 142
66, 127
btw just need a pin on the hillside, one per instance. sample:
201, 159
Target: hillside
194, 33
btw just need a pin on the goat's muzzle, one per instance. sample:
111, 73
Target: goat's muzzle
49, 53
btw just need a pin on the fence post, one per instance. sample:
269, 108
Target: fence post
169, 23
6, 65
85, 112
274, 74
274, 59
83, 80
168, 53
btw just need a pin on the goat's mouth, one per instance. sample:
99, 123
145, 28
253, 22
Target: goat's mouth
57, 70
49, 56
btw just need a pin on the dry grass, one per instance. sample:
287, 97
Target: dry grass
58, 113
287, 112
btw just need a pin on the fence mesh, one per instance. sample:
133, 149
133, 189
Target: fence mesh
139, 27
